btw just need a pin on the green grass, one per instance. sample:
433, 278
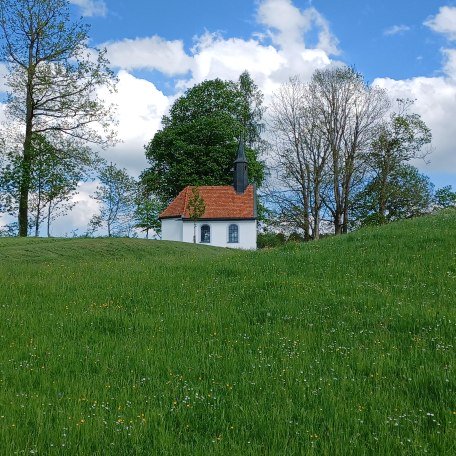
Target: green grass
125, 347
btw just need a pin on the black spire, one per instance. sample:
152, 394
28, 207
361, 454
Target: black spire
241, 180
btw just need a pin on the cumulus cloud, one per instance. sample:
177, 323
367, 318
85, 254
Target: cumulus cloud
216, 57
152, 53
140, 109
287, 25
396, 30
444, 22
91, 7
77, 220
436, 103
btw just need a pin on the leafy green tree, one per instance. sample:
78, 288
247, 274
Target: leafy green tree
148, 208
199, 139
53, 81
252, 110
445, 197
399, 140
116, 197
196, 209
408, 194
56, 173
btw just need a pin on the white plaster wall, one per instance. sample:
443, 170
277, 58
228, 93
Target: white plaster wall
219, 233
172, 230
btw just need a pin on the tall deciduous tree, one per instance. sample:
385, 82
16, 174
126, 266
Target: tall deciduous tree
301, 153
53, 80
322, 132
349, 111
200, 137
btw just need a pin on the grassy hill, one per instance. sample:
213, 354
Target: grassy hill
343, 346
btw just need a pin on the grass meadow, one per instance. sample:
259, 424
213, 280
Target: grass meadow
132, 347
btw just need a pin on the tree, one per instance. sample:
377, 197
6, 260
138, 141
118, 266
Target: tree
445, 197
397, 141
196, 209
322, 131
349, 111
148, 208
252, 110
301, 155
407, 194
56, 172
53, 81
116, 196
199, 139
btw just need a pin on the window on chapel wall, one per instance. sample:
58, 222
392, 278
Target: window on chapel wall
206, 234
233, 234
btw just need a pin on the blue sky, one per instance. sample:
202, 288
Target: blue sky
388, 39
159, 48
382, 38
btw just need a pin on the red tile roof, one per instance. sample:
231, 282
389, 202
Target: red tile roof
222, 202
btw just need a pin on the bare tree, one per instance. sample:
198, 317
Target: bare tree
322, 132
287, 124
349, 111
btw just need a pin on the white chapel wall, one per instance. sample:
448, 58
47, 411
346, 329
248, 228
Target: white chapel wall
172, 229
219, 233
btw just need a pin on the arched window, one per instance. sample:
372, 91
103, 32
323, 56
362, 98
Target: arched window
233, 234
206, 234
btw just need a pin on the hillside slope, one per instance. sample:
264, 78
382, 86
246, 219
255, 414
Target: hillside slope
343, 346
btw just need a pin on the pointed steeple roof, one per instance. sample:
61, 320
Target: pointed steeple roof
241, 158
241, 180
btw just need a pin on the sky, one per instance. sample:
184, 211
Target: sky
160, 48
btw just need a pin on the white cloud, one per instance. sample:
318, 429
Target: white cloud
140, 109
91, 7
152, 53
216, 57
78, 218
287, 25
450, 62
396, 30
444, 22
436, 103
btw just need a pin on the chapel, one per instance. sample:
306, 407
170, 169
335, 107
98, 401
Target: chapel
230, 216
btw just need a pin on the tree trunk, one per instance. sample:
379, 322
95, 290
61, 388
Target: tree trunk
382, 195
316, 210
38, 209
24, 188
27, 154
49, 220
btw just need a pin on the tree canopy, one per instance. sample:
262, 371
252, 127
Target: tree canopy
199, 139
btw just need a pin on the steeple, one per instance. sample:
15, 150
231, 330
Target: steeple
241, 180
